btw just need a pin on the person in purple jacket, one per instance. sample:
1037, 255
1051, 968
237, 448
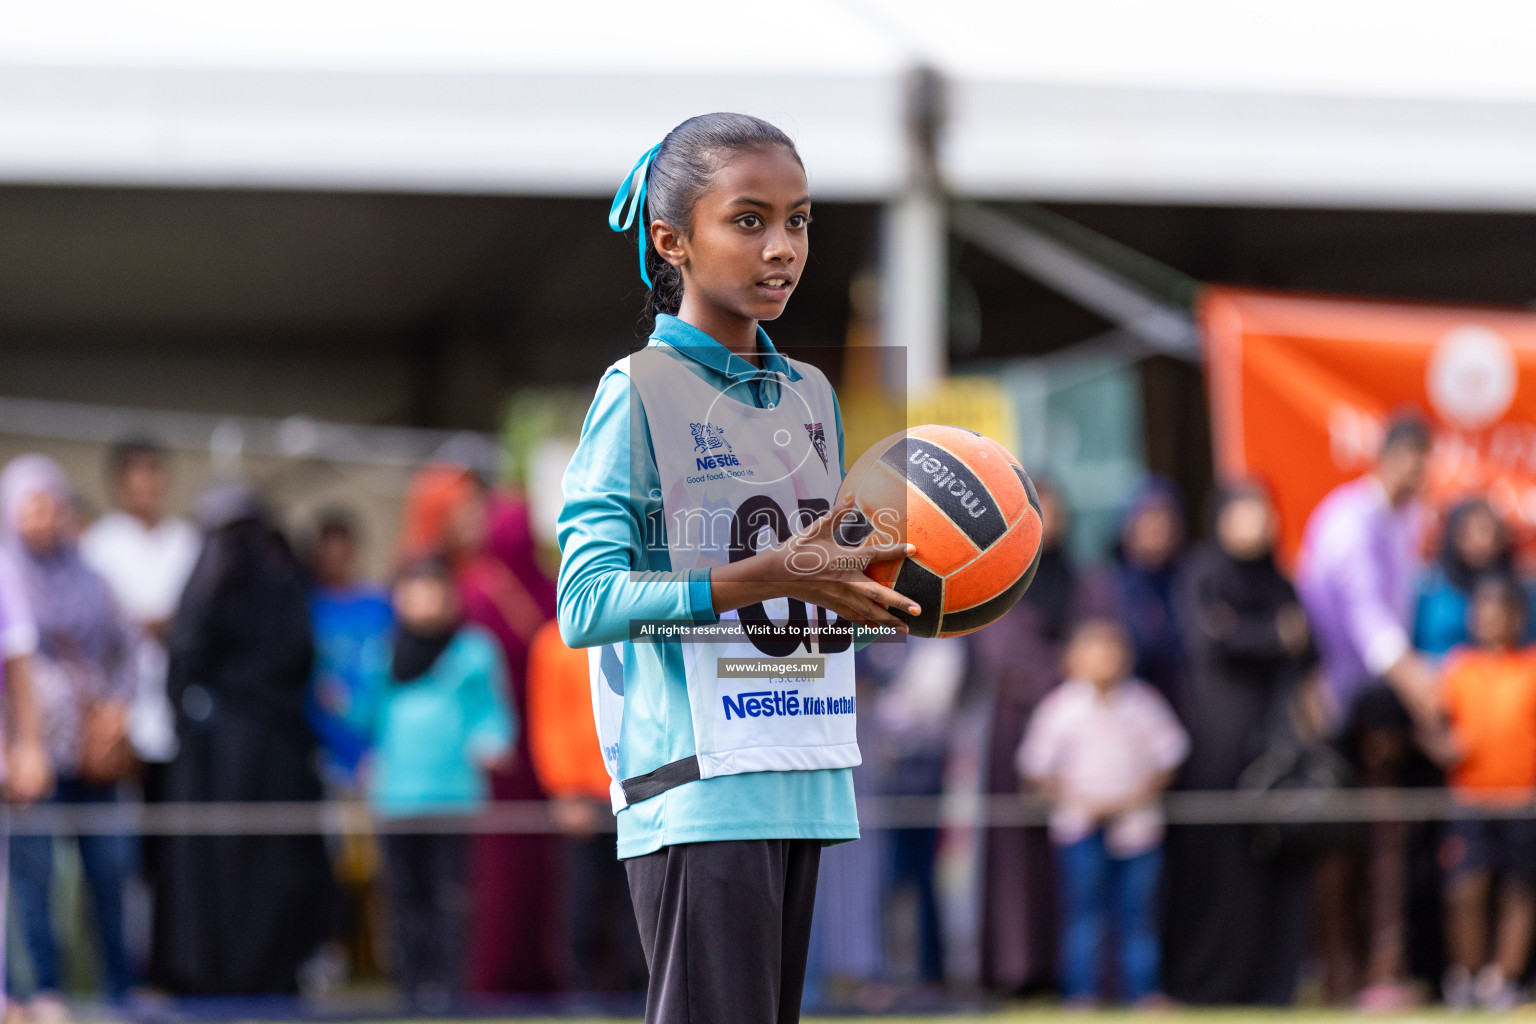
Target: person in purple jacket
1357, 571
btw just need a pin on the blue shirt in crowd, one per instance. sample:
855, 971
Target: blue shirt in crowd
345, 623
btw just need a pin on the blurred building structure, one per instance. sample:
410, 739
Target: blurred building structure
392, 214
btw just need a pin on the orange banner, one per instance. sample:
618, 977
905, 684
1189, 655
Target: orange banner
1300, 390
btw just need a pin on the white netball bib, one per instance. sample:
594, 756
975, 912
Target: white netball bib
736, 479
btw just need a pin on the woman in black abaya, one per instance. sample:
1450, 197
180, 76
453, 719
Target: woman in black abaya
1237, 921
237, 915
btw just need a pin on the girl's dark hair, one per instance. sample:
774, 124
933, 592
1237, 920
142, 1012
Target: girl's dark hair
681, 171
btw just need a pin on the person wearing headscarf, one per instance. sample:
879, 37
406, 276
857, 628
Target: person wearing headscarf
237, 915
84, 677
1236, 920
1018, 660
1148, 552
1475, 542
514, 943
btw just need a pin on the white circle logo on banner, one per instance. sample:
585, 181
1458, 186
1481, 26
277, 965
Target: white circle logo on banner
1471, 377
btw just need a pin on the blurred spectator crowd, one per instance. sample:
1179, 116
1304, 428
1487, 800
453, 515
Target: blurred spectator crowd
151, 658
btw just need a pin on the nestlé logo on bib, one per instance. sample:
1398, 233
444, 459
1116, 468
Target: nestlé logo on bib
711, 447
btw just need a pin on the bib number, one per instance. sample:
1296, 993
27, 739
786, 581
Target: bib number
774, 640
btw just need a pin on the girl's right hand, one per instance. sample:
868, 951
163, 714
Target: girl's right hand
811, 566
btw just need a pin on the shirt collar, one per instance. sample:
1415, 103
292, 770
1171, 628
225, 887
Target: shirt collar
697, 345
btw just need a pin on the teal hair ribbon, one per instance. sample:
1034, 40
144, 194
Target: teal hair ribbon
629, 204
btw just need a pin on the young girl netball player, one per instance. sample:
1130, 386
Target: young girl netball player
699, 497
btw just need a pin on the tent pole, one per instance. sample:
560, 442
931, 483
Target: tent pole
1163, 326
914, 257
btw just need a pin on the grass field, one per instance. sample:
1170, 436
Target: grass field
1043, 1015
1031, 1014
1040, 1012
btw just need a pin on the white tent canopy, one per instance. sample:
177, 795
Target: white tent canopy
451, 95
1349, 102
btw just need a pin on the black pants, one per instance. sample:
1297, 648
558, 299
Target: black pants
428, 884
726, 928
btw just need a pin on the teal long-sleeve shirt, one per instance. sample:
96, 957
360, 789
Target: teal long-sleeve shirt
609, 576
431, 735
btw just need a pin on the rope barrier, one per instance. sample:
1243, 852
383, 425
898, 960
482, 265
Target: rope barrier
342, 817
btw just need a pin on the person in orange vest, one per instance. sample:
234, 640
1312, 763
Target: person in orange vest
603, 942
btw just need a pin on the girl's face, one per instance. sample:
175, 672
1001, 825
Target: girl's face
750, 237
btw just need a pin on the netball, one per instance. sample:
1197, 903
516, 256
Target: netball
971, 510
